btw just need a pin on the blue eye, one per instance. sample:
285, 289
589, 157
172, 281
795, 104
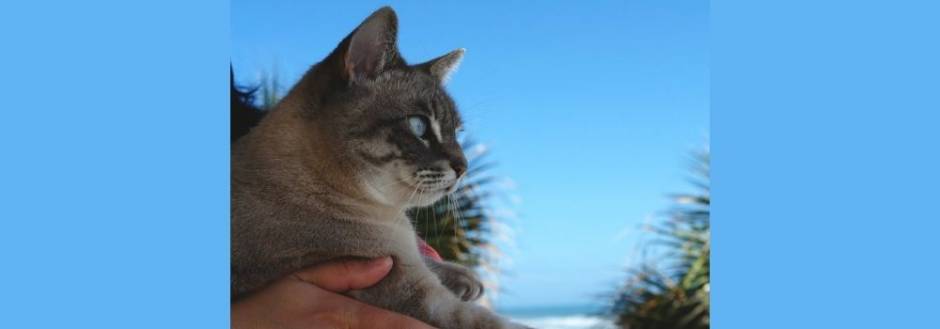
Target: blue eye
418, 125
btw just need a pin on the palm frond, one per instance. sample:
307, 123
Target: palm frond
674, 294
269, 89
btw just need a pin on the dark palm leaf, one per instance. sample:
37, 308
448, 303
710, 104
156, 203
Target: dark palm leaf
674, 295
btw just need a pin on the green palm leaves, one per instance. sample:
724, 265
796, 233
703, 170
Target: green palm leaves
674, 295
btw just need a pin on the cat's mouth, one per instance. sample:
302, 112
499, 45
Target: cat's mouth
436, 189
426, 186
435, 186
424, 195
433, 183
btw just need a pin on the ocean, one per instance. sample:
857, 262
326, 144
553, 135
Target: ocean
559, 317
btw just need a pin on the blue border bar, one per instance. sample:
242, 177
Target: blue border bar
825, 164
115, 164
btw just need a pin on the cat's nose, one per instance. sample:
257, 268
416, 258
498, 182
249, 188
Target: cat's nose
459, 165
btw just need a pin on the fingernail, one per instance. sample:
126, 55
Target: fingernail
382, 261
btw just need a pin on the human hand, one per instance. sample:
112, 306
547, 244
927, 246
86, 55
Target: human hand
311, 299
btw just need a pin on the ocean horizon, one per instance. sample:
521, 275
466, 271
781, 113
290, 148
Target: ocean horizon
560, 316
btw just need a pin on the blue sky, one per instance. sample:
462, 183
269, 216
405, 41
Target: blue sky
590, 108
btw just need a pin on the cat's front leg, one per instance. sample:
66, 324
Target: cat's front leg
460, 280
411, 288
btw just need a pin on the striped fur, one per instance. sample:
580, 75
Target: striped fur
329, 172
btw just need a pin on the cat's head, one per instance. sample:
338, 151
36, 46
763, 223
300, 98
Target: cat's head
394, 122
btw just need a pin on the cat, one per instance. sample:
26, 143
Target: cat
330, 170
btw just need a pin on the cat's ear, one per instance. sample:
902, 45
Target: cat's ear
443, 66
372, 46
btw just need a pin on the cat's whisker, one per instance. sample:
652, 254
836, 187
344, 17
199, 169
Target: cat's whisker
433, 208
455, 215
452, 206
469, 190
410, 197
458, 217
420, 214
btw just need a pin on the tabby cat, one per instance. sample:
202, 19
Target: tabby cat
329, 172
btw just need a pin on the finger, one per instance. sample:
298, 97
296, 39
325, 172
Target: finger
345, 275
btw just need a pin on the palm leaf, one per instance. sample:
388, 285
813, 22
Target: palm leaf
673, 295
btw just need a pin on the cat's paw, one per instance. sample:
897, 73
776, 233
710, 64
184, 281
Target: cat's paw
463, 282
466, 286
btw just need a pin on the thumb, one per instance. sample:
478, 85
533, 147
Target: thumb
344, 275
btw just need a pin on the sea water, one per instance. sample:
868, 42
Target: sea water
560, 317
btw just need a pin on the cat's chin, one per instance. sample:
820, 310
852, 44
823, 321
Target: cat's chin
424, 199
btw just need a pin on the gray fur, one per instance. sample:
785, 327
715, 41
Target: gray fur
330, 170
461, 281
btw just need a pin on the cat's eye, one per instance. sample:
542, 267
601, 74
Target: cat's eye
418, 125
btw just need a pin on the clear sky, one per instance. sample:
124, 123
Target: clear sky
590, 108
